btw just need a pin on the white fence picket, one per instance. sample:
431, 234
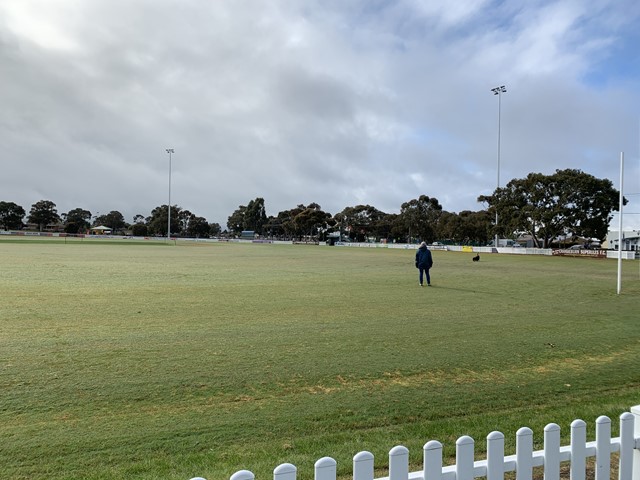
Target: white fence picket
524, 454
363, 466
285, 471
636, 433
603, 448
432, 460
578, 467
399, 463
627, 442
465, 458
495, 456
243, 475
552, 452
325, 469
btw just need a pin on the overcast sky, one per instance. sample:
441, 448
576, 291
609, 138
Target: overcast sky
338, 102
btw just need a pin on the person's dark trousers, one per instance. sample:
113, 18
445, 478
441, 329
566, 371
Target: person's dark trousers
425, 271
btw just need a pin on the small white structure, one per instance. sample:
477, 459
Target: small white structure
630, 240
100, 230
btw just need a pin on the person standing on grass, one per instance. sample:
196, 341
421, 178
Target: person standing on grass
424, 262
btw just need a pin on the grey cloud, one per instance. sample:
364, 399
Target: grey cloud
329, 102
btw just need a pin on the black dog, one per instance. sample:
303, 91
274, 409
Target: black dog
476, 258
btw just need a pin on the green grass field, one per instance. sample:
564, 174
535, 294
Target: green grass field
157, 361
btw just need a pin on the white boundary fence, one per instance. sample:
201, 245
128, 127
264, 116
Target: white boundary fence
452, 248
496, 463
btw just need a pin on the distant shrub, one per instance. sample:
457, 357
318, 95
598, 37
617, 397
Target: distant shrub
139, 230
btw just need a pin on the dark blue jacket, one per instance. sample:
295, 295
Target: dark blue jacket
423, 258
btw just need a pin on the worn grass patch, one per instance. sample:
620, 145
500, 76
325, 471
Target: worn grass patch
171, 361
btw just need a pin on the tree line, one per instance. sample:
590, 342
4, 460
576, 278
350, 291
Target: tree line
44, 215
568, 203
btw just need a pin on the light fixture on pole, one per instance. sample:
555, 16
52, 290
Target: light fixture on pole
498, 91
169, 151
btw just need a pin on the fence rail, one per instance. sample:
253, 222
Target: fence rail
497, 464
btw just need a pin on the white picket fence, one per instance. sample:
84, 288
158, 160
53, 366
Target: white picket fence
496, 463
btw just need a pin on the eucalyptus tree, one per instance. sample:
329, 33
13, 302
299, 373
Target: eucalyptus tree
465, 228
420, 218
255, 216
235, 222
11, 215
566, 203
184, 218
139, 230
138, 219
215, 229
284, 224
114, 220
252, 217
449, 227
157, 222
359, 222
273, 227
76, 220
385, 227
312, 220
197, 227
43, 213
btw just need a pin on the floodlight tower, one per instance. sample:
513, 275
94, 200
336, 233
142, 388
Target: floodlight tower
498, 91
169, 151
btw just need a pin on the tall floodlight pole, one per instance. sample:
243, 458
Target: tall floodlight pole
169, 151
498, 91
